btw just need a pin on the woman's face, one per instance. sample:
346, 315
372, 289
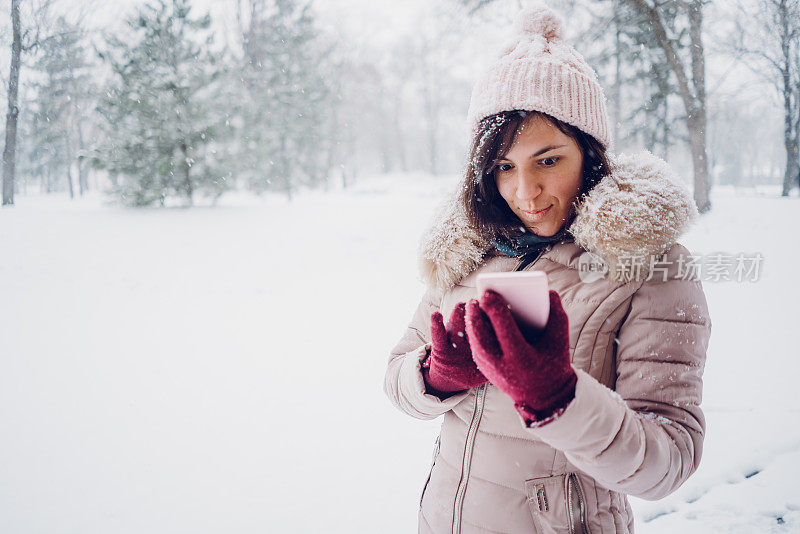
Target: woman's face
540, 176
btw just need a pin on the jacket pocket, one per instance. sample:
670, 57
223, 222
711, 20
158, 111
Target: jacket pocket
557, 504
430, 471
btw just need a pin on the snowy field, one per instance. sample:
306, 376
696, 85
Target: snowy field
219, 370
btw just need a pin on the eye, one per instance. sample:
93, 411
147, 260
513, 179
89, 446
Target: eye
553, 159
504, 167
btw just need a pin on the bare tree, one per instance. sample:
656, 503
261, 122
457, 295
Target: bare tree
768, 39
426, 55
631, 64
10, 150
283, 95
22, 41
690, 74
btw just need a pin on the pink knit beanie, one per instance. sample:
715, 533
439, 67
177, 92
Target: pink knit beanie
538, 70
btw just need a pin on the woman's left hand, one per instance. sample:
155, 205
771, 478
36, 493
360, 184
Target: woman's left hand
533, 369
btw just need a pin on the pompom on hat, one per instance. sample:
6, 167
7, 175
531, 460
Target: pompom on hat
538, 70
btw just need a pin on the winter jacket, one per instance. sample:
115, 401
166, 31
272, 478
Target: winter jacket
638, 340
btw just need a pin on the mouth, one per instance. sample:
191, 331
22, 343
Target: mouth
537, 215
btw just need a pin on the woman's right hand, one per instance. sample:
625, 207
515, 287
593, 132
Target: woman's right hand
450, 366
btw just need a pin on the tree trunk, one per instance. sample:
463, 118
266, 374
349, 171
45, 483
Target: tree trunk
430, 104
797, 140
789, 140
10, 151
789, 176
665, 140
697, 135
697, 138
287, 181
399, 139
789, 132
69, 167
187, 180
702, 186
694, 97
797, 119
83, 184
334, 138
431, 127
69, 181
797, 124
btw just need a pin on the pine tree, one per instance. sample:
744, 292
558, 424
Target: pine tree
160, 119
283, 111
54, 124
639, 68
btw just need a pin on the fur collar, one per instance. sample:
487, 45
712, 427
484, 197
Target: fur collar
640, 209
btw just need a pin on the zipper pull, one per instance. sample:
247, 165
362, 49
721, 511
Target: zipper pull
541, 497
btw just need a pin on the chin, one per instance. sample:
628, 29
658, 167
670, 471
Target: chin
541, 232
547, 230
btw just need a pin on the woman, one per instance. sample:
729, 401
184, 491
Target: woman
549, 431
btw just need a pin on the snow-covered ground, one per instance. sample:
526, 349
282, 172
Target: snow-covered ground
220, 369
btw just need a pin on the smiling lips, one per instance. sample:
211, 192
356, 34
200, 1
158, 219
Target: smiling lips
537, 215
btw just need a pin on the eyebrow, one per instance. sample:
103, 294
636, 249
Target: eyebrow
542, 151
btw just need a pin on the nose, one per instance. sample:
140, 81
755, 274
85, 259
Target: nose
528, 186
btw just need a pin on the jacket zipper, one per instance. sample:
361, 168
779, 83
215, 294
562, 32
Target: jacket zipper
477, 412
571, 479
572, 486
480, 396
430, 471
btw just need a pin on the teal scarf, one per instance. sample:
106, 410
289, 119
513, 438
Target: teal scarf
527, 244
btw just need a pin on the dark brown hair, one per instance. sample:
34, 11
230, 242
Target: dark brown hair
486, 210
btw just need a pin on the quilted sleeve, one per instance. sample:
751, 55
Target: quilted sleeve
403, 383
646, 437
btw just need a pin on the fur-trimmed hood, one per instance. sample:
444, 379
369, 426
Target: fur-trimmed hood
640, 209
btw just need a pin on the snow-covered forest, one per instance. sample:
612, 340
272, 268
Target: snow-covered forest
180, 102
208, 239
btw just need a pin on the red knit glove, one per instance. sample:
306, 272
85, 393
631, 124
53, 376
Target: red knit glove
531, 366
450, 366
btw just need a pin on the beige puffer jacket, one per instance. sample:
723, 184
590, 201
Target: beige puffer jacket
638, 340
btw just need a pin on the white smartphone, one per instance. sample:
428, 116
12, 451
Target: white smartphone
525, 291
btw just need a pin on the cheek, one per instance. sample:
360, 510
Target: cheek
505, 187
568, 187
